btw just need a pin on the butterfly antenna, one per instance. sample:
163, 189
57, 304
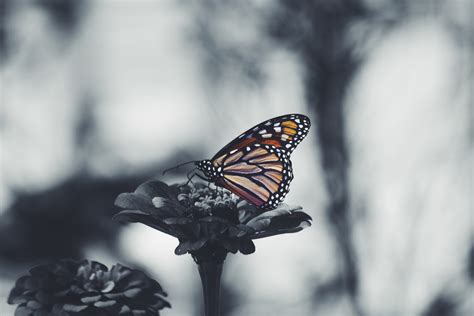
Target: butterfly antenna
176, 167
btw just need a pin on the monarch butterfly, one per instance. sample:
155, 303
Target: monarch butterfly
256, 165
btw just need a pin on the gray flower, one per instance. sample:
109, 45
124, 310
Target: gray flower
208, 222
85, 287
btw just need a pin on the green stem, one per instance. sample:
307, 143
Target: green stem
210, 273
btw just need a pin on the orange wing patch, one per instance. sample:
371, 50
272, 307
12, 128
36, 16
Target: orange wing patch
290, 124
245, 142
289, 131
272, 142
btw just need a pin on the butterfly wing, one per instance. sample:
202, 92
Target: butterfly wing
284, 132
259, 173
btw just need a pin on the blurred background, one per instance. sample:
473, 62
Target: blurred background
100, 95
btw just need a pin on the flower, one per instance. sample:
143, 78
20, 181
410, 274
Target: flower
209, 222
69, 287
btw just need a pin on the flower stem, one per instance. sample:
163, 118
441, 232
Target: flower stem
210, 273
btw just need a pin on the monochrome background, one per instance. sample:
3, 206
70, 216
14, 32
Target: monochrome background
100, 95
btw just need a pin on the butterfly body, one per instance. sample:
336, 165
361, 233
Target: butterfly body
256, 165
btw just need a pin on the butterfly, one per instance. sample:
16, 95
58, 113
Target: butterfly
256, 165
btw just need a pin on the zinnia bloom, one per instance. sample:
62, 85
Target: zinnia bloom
209, 223
86, 288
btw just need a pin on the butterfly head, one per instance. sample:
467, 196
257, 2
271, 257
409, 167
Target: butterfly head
209, 170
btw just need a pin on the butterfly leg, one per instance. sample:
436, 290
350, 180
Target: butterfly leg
190, 177
202, 178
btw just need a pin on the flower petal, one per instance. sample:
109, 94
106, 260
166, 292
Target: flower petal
144, 218
214, 219
231, 245
247, 247
134, 201
170, 207
290, 223
90, 299
178, 220
105, 303
74, 308
187, 246
240, 230
131, 293
154, 188
261, 221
